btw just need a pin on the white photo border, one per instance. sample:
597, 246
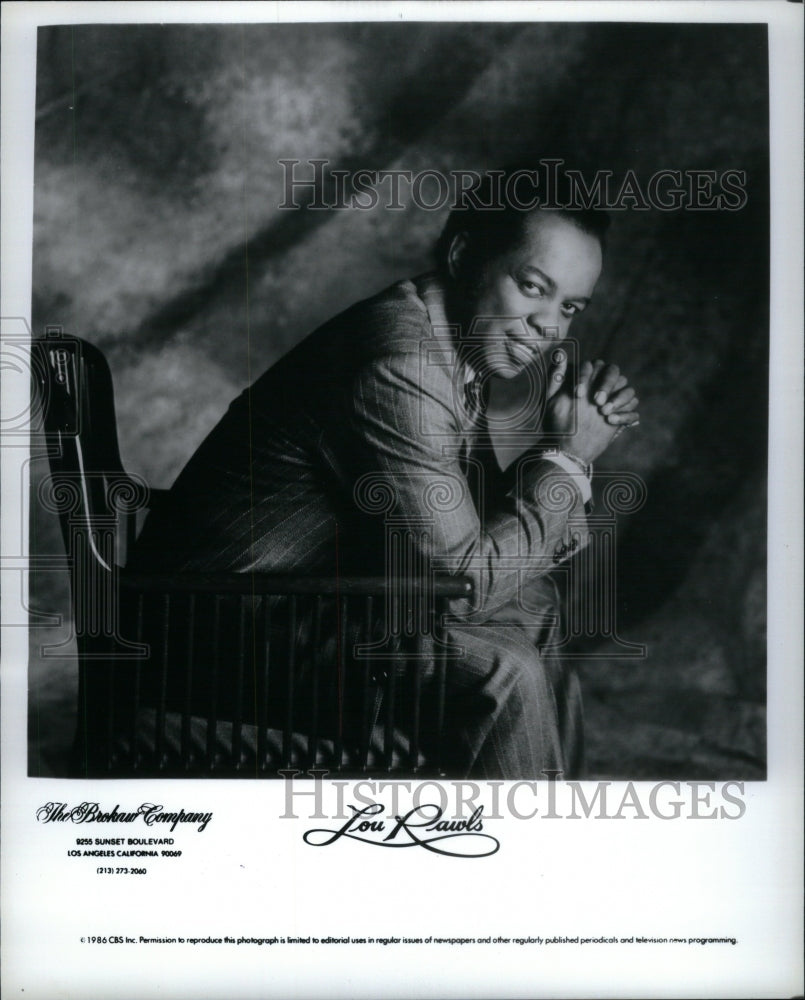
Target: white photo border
249, 865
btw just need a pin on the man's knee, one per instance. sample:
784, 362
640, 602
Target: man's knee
503, 658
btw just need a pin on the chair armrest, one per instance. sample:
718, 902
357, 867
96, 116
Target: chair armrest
442, 586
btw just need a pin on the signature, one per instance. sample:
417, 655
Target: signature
421, 826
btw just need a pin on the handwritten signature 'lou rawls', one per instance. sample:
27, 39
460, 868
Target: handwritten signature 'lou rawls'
421, 826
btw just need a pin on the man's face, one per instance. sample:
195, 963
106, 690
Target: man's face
524, 300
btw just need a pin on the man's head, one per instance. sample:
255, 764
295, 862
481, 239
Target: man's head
519, 277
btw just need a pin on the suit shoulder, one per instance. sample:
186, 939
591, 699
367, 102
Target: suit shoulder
391, 330
395, 321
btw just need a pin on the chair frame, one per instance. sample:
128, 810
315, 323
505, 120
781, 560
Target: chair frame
97, 502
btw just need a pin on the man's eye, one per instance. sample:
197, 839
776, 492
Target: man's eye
532, 288
568, 309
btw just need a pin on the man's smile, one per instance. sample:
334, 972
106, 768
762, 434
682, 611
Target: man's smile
524, 352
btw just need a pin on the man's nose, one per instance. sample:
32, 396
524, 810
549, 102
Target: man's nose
544, 326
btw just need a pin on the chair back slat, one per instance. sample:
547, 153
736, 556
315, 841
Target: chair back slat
87, 474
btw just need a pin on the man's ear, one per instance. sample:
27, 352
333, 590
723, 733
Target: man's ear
456, 254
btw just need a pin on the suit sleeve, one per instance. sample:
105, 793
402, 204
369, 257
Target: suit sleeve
404, 440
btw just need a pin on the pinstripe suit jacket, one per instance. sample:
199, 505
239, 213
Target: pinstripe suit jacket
361, 427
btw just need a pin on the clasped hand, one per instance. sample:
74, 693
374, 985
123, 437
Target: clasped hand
604, 404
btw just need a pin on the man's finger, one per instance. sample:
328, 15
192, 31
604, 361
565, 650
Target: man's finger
619, 400
605, 383
596, 368
620, 383
583, 382
628, 419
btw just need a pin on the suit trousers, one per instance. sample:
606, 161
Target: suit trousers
514, 708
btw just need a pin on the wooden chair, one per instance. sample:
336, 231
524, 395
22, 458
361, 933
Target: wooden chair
196, 674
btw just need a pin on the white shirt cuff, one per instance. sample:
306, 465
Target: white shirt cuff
571, 467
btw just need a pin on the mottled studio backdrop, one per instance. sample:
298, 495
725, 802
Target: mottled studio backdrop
157, 236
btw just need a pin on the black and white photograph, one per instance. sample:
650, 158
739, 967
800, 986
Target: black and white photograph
292, 252
409, 413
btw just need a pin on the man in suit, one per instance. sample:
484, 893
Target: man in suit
380, 414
